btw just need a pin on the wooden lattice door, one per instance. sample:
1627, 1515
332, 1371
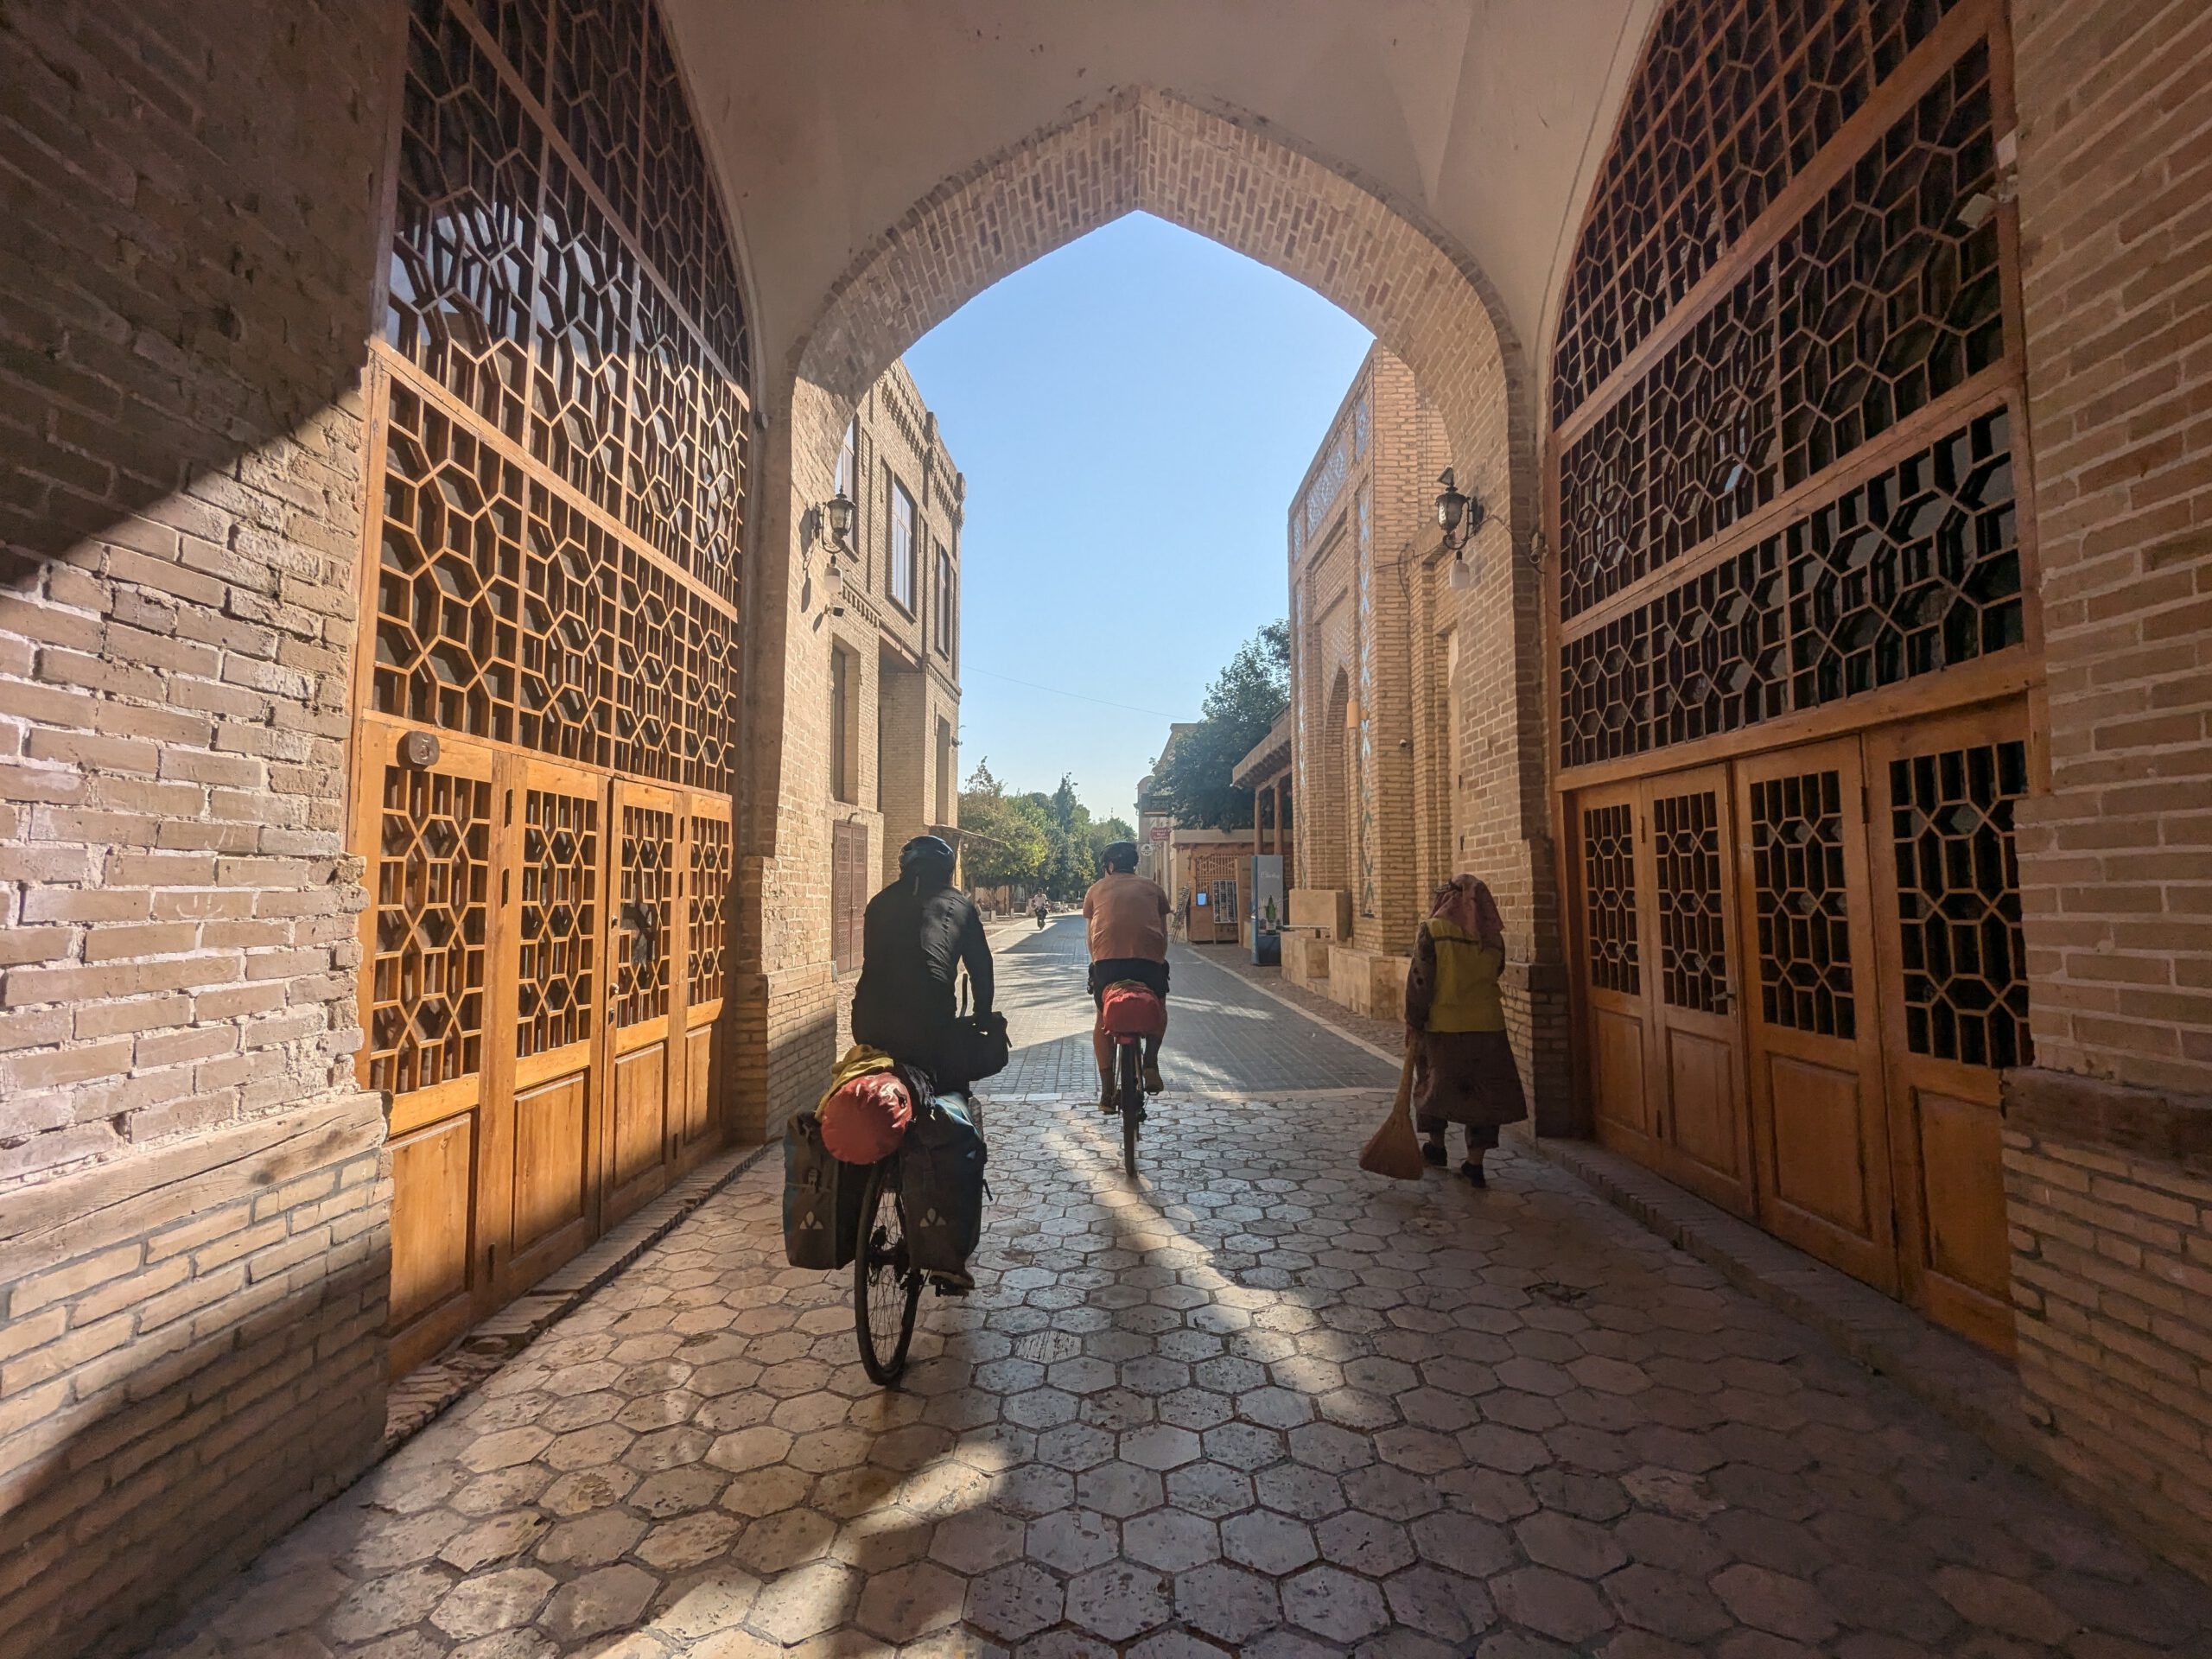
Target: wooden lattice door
432, 1034
1697, 1035
554, 911
1609, 915
645, 945
1657, 908
1954, 972
1812, 1022
707, 894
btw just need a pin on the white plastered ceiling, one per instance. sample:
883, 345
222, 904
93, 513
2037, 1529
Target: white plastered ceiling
830, 118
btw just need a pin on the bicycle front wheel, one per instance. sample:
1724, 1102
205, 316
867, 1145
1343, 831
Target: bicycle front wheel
1130, 1093
887, 1286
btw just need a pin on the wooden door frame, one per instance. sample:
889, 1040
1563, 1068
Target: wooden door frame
1739, 1199
592, 1053
1873, 1259
1642, 1144
1955, 1303
617, 1200
708, 1012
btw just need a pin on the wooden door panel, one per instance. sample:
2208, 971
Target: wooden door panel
645, 964
702, 1075
1953, 964
640, 1112
1614, 994
433, 1235
1820, 1164
1962, 1161
709, 891
1821, 1136
558, 924
1616, 1072
1699, 1039
428, 1000
1704, 1102
552, 1184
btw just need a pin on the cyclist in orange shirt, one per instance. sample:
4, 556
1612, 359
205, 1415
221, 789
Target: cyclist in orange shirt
1128, 919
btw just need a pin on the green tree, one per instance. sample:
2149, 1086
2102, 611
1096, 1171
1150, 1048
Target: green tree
1003, 839
1245, 699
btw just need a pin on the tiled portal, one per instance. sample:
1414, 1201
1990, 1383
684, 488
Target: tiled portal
1260, 1404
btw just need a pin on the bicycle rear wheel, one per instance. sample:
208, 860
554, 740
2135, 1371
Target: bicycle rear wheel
887, 1286
1129, 1093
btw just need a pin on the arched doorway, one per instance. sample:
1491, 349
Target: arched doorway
1221, 175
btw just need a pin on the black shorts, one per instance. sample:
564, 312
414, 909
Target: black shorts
1146, 972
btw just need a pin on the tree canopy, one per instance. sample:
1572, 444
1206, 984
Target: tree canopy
1245, 699
1033, 840
1002, 839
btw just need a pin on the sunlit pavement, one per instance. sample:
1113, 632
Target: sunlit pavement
1259, 1403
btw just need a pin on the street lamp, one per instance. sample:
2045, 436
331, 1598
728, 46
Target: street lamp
1457, 516
837, 515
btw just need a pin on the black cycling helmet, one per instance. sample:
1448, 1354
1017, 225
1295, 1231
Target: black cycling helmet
926, 853
1120, 855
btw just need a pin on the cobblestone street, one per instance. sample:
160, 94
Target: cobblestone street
1261, 1403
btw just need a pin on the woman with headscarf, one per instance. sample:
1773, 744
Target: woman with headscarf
1463, 1060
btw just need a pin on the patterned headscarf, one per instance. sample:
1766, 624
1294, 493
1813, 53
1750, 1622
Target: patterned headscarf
1465, 902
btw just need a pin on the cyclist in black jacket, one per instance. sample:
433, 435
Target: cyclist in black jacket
919, 932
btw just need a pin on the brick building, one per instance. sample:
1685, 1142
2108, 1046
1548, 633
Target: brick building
415, 744
893, 686
1375, 634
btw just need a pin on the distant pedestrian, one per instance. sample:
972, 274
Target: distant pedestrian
1462, 1061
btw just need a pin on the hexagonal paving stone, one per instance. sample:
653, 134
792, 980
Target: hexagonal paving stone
601, 1600
1171, 1540
1119, 1489
1160, 1446
909, 1602
1226, 1604
1013, 1601
1118, 1601
1334, 1604
1072, 1540
493, 1601
1364, 1543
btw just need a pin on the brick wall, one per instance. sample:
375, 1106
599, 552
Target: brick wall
2108, 1146
2108, 1193
188, 270
2116, 862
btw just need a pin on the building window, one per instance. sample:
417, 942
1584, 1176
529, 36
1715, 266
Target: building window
902, 545
841, 715
848, 893
943, 772
945, 609
848, 454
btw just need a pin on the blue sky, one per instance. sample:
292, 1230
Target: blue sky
1133, 413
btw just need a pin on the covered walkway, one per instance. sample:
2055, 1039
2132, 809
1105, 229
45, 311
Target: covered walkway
1263, 1404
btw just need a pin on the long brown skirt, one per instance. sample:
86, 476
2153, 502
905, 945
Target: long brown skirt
1467, 1077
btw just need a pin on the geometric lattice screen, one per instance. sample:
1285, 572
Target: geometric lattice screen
1800, 894
1966, 983
427, 974
567, 437
1879, 297
1913, 570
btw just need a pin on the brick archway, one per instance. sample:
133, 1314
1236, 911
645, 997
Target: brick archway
1241, 182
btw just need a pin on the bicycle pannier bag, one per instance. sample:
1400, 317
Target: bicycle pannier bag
941, 1184
1130, 1009
822, 1199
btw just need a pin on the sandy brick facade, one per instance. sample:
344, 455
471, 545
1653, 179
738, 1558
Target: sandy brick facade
194, 1236
2108, 1158
901, 657
1410, 716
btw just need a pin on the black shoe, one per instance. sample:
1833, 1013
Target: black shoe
1472, 1169
1431, 1153
1107, 1104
